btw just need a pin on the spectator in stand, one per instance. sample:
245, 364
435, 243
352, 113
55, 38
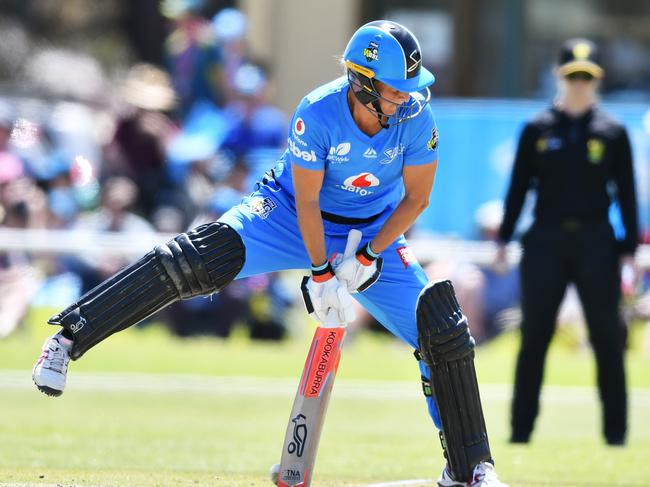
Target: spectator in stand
10, 164
142, 132
230, 27
22, 206
193, 55
255, 123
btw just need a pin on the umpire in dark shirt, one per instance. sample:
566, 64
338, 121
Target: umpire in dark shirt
578, 160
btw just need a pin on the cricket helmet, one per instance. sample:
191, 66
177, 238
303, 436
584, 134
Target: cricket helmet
388, 52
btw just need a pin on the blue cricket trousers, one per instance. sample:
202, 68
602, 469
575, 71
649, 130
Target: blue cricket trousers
267, 223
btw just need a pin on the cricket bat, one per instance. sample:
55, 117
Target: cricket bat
307, 417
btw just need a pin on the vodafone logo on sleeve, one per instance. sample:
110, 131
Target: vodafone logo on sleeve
299, 126
359, 183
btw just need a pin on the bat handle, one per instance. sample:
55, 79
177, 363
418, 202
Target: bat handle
351, 246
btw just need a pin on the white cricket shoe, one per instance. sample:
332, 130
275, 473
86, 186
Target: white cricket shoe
484, 476
50, 370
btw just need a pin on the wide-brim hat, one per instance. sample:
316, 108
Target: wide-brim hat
149, 87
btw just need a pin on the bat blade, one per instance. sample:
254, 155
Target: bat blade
309, 408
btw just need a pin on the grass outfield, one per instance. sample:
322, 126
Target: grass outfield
145, 409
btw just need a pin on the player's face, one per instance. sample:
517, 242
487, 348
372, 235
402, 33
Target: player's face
578, 86
391, 98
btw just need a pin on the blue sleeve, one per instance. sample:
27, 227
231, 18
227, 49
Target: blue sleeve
306, 142
422, 143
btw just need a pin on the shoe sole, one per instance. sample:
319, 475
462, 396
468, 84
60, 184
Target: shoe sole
49, 391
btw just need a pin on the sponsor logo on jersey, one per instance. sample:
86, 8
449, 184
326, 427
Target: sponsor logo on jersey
338, 154
406, 255
370, 153
359, 183
302, 154
371, 53
299, 126
299, 140
262, 206
433, 141
392, 153
363, 180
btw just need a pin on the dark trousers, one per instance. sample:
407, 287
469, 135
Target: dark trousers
553, 256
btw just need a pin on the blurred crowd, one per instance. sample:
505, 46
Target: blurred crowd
180, 145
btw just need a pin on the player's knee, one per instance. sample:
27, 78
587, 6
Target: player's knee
536, 340
443, 332
204, 260
610, 340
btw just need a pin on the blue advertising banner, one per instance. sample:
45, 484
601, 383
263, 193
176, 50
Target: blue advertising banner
478, 140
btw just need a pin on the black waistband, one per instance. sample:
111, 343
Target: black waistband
573, 224
576, 224
346, 220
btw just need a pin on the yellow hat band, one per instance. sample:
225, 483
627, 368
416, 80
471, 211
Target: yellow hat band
581, 66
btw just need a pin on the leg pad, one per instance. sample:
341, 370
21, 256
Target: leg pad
448, 349
200, 262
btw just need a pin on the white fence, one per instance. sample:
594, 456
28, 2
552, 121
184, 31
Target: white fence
134, 245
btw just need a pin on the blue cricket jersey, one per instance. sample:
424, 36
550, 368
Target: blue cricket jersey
363, 174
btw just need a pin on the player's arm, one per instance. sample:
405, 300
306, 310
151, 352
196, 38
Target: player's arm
522, 174
626, 192
520, 180
307, 184
418, 173
325, 298
418, 181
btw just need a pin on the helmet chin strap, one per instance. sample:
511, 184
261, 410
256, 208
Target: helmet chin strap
377, 106
364, 90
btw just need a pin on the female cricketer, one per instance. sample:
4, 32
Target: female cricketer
362, 154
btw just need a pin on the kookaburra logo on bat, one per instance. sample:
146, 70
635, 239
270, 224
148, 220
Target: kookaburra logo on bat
297, 446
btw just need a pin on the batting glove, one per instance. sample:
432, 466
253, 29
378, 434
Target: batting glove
360, 271
326, 298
